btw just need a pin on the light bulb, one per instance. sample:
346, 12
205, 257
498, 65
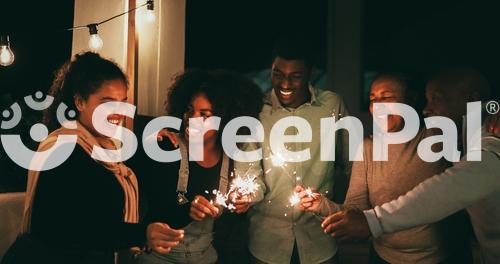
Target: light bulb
95, 43
150, 12
150, 16
6, 54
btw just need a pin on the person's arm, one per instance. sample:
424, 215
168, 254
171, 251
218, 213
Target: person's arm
466, 183
357, 194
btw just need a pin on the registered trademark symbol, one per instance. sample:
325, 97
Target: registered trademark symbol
492, 107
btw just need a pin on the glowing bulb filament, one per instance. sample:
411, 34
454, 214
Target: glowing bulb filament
6, 54
95, 43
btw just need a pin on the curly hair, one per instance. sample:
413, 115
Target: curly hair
81, 77
230, 94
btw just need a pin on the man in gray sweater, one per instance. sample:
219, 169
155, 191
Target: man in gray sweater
473, 185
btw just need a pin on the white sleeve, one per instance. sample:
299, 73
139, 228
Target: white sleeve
465, 183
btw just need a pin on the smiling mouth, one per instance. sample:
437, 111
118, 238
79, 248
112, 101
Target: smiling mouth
286, 92
115, 120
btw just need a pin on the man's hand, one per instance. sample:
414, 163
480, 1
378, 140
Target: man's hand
310, 201
347, 225
202, 208
162, 238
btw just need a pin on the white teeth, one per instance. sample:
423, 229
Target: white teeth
285, 93
114, 121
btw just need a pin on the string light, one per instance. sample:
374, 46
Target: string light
6, 54
95, 42
150, 12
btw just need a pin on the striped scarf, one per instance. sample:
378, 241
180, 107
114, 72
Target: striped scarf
86, 140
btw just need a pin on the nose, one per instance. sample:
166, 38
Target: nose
285, 83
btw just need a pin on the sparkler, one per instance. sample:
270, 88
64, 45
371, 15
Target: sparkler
295, 198
240, 186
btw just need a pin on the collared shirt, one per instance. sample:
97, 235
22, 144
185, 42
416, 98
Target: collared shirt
275, 225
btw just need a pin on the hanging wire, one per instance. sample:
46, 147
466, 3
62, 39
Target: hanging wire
148, 3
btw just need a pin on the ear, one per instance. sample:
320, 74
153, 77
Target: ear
79, 103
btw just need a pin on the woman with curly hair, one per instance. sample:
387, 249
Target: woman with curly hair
85, 209
180, 193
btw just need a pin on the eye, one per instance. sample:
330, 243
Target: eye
296, 78
388, 98
278, 75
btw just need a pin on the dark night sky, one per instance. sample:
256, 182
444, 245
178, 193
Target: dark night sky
239, 35
38, 41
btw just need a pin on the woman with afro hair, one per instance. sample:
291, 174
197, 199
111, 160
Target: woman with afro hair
180, 193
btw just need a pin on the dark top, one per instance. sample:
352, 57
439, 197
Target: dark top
79, 206
160, 185
159, 181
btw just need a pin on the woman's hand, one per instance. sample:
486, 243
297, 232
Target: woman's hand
162, 238
201, 208
242, 204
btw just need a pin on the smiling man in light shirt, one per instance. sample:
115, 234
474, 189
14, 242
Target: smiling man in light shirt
279, 232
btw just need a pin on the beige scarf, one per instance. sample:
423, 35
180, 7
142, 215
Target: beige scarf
122, 173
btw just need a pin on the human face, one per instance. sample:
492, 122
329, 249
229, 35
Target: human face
290, 81
388, 91
441, 102
110, 91
200, 106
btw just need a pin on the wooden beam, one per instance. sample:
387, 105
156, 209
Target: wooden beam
131, 61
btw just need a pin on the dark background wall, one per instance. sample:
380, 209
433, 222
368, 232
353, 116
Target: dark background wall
420, 35
427, 35
39, 42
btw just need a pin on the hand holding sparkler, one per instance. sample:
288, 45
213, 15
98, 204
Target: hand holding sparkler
241, 191
309, 199
202, 208
241, 203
